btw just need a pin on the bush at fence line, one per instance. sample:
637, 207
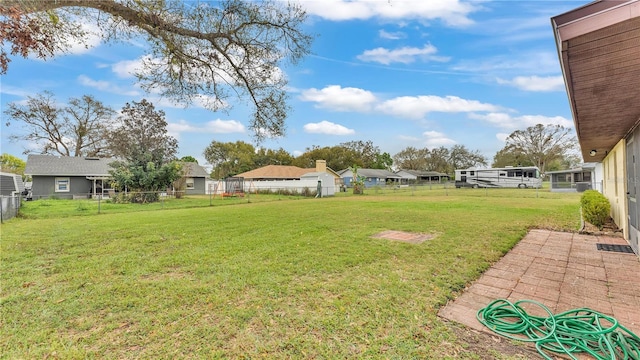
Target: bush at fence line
306, 192
595, 208
136, 197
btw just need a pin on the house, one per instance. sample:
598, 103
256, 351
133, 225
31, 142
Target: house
67, 177
11, 184
372, 177
599, 51
292, 178
196, 178
588, 176
421, 177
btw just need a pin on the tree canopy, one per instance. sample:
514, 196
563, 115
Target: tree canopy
12, 164
541, 145
439, 159
77, 129
145, 151
198, 51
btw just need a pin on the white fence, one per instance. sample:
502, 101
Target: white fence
9, 207
293, 186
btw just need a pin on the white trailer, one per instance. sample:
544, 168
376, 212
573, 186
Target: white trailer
508, 177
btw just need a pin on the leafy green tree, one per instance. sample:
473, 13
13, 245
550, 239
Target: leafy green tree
411, 158
148, 162
542, 144
12, 164
78, 129
215, 49
264, 157
383, 161
506, 157
229, 159
438, 160
462, 158
365, 151
337, 157
188, 158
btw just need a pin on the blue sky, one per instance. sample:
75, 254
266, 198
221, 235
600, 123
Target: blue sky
399, 73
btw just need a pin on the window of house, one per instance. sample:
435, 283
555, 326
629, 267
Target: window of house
191, 183
463, 172
62, 184
472, 173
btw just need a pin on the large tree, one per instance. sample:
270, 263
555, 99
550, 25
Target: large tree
542, 144
12, 164
145, 151
462, 158
75, 129
141, 134
411, 158
337, 157
229, 159
216, 49
506, 157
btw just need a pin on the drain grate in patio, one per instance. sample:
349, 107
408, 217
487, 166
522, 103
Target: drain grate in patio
615, 248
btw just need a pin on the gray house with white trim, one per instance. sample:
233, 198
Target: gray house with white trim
196, 178
67, 177
372, 177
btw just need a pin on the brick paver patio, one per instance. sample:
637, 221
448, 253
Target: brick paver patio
563, 271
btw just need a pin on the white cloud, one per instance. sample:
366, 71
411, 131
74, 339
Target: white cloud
436, 139
91, 40
211, 127
392, 35
416, 107
328, 128
506, 121
405, 55
535, 83
531, 62
128, 68
451, 12
106, 86
502, 137
337, 98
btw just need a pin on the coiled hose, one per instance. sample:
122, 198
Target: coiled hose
578, 331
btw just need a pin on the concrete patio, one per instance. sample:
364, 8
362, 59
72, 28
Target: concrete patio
563, 271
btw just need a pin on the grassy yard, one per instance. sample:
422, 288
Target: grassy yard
260, 279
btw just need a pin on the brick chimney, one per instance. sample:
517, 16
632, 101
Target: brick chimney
321, 165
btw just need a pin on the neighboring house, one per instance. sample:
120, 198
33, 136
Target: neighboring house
11, 184
68, 177
196, 178
599, 56
292, 178
588, 176
420, 177
372, 177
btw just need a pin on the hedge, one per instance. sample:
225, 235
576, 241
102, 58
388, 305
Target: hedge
595, 208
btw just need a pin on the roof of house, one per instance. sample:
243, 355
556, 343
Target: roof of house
194, 170
585, 167
598, 51
13, 181
276, 172
374, 173
424, 173
47, 165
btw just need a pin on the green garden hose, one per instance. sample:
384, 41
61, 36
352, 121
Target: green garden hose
578, 331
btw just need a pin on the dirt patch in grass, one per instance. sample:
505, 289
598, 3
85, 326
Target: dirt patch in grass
491, 347
408, 237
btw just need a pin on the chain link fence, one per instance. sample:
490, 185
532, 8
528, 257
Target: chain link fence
9, 207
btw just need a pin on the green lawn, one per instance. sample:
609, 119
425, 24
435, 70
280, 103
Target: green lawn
260, 279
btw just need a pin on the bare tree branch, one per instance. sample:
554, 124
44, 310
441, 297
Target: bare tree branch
195, 49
